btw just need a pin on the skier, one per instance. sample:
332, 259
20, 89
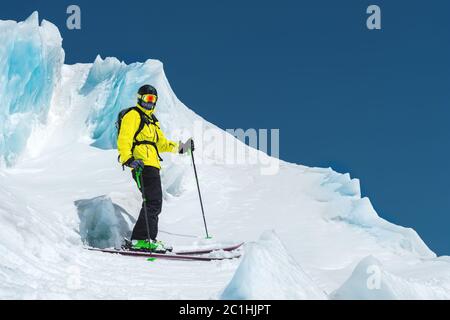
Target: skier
139, 142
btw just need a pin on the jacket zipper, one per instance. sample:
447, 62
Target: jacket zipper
147, 144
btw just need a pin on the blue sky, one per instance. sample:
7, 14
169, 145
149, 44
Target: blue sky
372, 103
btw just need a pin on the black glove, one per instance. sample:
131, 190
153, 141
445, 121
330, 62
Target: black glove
135, 164
187, 146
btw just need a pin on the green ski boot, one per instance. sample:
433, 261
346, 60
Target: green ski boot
152, 246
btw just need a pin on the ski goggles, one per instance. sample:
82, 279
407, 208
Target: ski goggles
148, 98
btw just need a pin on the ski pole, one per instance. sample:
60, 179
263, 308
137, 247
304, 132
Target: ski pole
140, 183
199, 195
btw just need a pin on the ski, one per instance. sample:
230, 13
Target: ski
209, 250
169, 255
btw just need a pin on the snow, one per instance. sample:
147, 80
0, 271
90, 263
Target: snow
371, 281
361, 213
268, 272
61, 188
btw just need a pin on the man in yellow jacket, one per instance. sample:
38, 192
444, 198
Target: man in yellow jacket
140, 141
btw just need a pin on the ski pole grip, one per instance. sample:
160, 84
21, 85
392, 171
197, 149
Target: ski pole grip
138, 177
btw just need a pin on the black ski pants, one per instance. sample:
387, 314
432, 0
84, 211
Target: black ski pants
151, 183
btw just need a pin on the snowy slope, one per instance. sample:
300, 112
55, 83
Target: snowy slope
61, 187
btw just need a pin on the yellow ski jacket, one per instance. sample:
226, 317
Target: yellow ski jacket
151, 132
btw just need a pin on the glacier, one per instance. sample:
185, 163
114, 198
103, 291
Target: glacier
30, 66
103, 224
61, 188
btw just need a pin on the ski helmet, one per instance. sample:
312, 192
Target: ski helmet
147, 97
